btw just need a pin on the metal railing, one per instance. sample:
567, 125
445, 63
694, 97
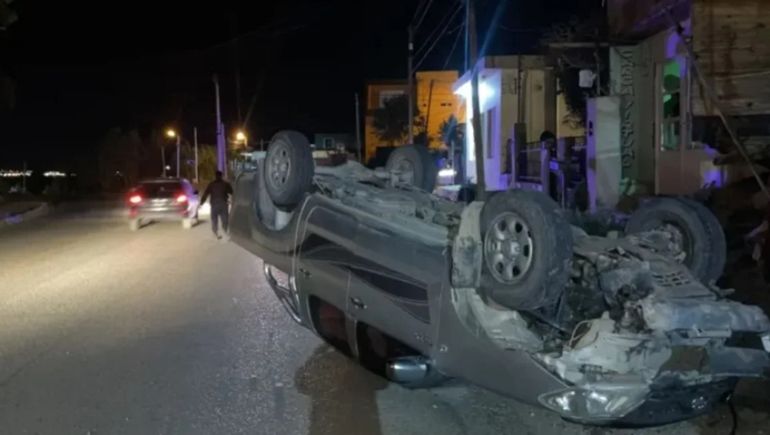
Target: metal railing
555, 167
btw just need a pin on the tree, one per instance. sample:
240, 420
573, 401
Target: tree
391, 121
448, 130
207, 163
120, 155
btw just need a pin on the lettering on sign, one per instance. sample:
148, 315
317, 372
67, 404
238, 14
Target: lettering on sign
626, 89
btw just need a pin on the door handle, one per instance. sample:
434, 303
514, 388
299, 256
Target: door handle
304, 272
358, 303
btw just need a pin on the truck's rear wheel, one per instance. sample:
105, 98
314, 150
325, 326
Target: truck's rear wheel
694, 228
717, 240
289, 168
527, 250
412, 165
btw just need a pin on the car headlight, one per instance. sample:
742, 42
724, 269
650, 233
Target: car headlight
594, 402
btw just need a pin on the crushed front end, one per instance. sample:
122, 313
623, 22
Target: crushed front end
635, 339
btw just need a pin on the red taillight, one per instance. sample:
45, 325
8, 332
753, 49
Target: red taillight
135, 199
181, 199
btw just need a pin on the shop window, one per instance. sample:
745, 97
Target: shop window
387, 95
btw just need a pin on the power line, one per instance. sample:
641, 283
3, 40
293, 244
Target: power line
435, 41
454, 46
417, 11
443, 27
424, 14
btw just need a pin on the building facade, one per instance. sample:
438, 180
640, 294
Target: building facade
686, 60
435, 103
512, 90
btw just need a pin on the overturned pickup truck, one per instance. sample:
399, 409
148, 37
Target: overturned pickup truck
505, 294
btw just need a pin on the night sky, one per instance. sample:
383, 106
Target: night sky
83, 67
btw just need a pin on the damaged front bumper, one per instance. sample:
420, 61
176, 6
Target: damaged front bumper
662, 348
620, 406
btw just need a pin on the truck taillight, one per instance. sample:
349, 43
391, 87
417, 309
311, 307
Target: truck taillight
181, 199
135, 199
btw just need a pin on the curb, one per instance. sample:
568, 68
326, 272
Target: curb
39, 211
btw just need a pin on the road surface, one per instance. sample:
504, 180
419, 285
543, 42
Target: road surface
167, 331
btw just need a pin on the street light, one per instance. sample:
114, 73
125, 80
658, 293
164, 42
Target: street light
172, 134
241, 138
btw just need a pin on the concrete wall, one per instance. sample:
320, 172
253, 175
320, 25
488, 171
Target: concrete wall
730, 40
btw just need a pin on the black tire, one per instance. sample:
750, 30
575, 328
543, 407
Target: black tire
417, 158
548, 257
289, 168
717, 241
696, 236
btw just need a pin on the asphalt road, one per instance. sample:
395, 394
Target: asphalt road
166, 331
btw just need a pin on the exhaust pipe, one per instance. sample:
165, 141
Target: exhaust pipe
408, 370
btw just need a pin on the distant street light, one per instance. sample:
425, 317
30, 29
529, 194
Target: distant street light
241, 138
172, 134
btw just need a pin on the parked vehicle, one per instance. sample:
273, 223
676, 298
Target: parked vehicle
505, 294
162, 199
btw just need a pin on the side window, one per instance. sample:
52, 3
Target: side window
670, 99
387, 95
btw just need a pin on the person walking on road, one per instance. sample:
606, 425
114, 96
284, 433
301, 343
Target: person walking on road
219, 191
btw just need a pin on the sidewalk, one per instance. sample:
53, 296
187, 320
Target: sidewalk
15, 212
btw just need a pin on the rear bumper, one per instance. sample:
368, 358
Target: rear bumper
161, 214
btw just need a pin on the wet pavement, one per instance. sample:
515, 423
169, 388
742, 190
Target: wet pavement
167, 331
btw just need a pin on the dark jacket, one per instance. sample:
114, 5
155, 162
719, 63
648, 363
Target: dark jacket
219, 191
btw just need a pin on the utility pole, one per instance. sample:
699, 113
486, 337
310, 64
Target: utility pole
178, 149
467, 35
427, 112
163, 159
358, 130
221, 150
195, 144
410, 84
478, 141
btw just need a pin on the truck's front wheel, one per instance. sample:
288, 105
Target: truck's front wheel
527, 250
